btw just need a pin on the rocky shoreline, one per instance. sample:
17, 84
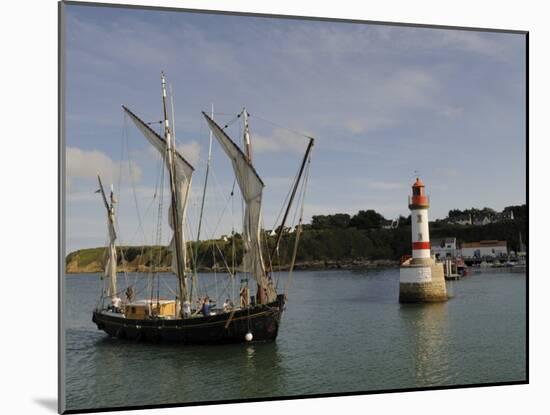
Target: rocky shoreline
317, 265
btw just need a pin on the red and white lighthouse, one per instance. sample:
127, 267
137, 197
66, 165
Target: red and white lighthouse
419, 205
421, 279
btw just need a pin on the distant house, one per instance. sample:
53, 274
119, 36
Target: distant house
463, 219
483, 220
484, 249
389, 224
506, 215
444, 247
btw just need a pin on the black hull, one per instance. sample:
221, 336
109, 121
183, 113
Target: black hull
262, 321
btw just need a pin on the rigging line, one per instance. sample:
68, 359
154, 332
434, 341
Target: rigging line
141, 217
158, 180
280, 126
132, 240
201, 258
103, 279
215, 267
156, 260
124, 133
299, 229
224, 261
279, 269
203, 201
225, 291
144, 288
169, 288
221, 254
233, 120
134, 192
159, 227
229, 114
219, 187
123, 259
212, 234
296, 207
266, 242
123, 139
232, 247
286, 198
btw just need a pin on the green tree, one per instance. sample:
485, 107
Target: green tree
366, 219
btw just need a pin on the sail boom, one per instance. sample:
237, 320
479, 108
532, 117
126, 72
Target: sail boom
298, 178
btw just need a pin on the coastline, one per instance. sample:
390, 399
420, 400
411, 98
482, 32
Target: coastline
313, 265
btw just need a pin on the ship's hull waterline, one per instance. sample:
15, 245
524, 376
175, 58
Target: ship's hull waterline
262, 321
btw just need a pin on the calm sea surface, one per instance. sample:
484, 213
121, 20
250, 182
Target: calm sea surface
342, 331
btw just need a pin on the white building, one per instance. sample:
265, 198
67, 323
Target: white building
444, 247
484, 249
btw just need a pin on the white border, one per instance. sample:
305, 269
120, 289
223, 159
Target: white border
29, 208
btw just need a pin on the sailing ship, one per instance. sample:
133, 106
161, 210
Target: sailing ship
255, 318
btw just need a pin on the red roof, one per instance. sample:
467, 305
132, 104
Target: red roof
418, 183
484, 244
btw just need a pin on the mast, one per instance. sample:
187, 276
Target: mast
248, 152
110, 268
280, 233
197, 244
170, 150
246, 137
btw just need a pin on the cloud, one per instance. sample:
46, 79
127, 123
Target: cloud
368, 124
486, 44
384, 185
191, 152
87, 164
279, 140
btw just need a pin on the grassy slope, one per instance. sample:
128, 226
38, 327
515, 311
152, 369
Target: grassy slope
328, 244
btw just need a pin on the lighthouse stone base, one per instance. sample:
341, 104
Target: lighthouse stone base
422, 281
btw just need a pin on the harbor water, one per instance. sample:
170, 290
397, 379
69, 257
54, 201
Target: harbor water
342, 331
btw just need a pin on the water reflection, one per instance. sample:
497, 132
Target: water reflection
141, 373
426, 327
262, 373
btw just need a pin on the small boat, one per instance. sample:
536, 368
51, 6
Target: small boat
454, 268
461, 267
157, 319
485, 264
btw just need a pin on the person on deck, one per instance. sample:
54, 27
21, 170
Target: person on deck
244, 295
205, 309
186, 309
227, 305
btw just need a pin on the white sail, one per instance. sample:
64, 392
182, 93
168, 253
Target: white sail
183, 172
111, 263
251, 187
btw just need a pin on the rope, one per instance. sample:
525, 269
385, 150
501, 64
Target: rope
281, 127
299, 229
159, 228
233, 120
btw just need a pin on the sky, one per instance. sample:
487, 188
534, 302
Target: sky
384, 103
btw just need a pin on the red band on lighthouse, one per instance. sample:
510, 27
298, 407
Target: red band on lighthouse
421, 245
